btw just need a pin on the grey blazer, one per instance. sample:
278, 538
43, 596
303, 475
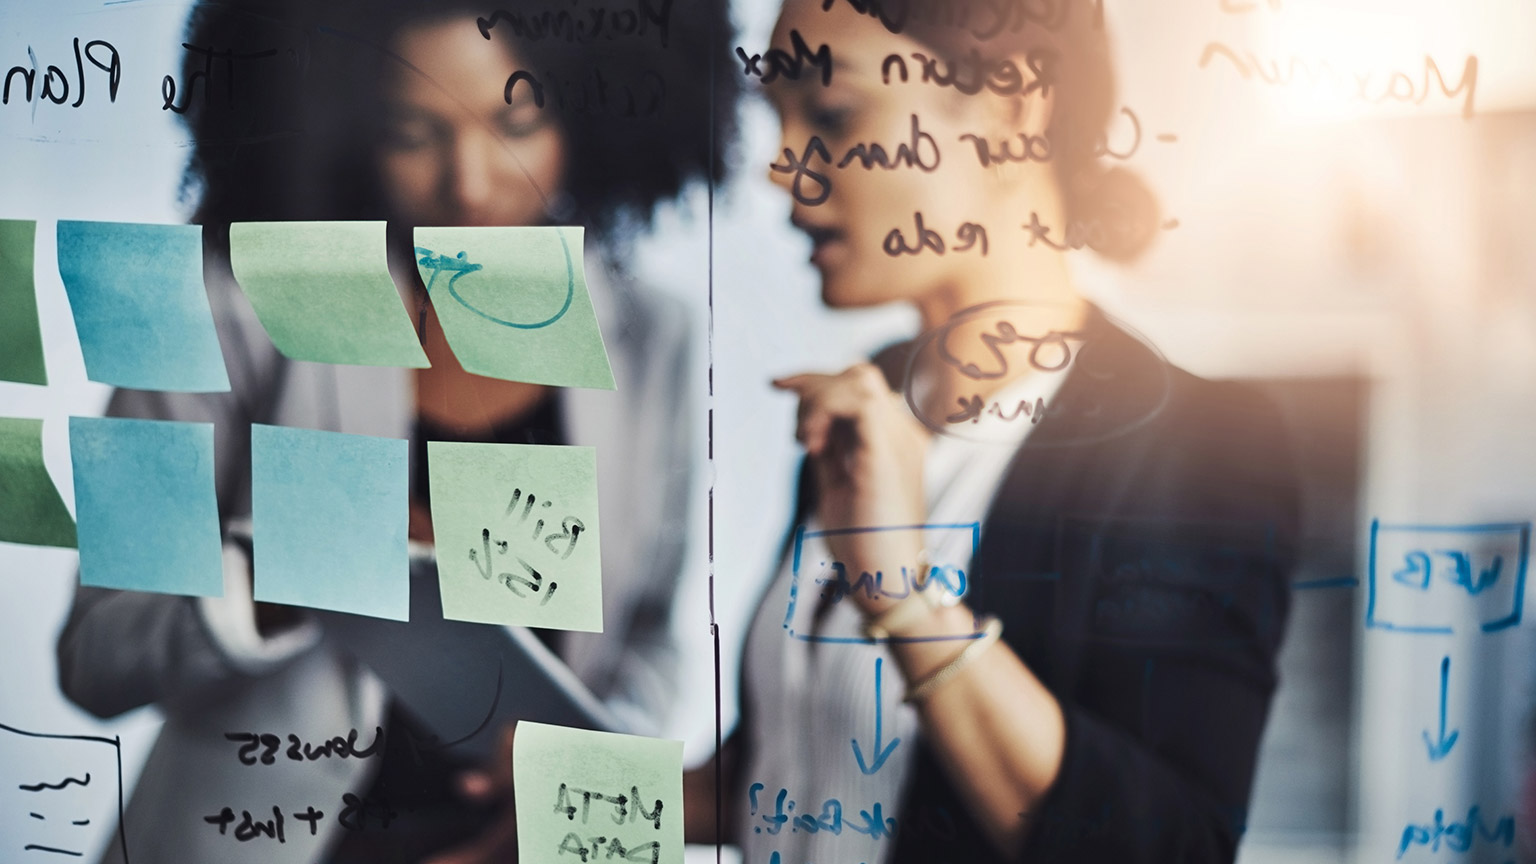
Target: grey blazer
202, 662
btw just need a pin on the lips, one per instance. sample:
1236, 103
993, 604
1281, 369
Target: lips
822, 237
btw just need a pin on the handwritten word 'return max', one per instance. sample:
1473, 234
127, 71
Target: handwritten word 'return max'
781, 62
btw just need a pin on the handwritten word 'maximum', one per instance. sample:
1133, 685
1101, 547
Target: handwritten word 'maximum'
299, 751
601, 22
983, 19
1399, 87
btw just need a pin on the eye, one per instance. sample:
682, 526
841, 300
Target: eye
407, 131
520, 119
829, 120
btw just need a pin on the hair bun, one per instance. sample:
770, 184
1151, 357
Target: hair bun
1113, 212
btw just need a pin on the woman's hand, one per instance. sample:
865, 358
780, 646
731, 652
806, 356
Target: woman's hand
868, 453
498, 843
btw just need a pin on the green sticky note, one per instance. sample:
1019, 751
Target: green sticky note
513, 303
21, 339
515, 526
323, 291
596, 796
31, 510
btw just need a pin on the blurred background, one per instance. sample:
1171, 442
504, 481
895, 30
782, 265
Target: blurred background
1350, 235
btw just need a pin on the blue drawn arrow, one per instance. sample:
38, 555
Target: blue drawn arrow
1439, 748
881, 753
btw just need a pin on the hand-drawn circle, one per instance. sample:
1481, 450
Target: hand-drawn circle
1119, 380
570, 292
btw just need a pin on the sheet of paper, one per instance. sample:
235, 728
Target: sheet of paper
148, 515
323, 291
513, 303
60, 794
515, 526
21, 338
596, 796
329, 513
141, 311
31, 510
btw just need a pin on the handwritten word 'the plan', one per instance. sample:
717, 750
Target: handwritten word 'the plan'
55, 87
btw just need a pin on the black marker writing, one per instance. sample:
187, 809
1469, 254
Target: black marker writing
781, 62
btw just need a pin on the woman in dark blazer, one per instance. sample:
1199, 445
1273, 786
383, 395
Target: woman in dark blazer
1087, 676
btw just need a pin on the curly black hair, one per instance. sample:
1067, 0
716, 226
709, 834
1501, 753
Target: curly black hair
283, 101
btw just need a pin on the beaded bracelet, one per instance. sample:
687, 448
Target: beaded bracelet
991, 631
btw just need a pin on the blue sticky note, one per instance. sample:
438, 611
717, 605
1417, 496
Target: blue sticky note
329, 513
146, 513
140, 308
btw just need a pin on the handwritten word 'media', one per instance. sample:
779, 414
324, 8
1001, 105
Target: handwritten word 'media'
1398, 88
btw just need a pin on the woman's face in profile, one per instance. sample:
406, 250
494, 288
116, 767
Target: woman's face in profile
851, 231
454, 151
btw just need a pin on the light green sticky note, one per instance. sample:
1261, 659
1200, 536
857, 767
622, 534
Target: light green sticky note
31, 510
515, 527
596, 796
323, 291
21, 339
513, 303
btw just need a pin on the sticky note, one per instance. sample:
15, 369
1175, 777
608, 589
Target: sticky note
513, 303
31, 510
323, 291
21, 339
141, 311
144, 496
596, 795
515, 526
328, 519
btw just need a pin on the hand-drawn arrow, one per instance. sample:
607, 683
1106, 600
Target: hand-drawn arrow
880, 753
1439, 748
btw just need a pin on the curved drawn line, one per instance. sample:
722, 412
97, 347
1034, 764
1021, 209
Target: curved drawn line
486, 721
570, 294
33, 846
60, 785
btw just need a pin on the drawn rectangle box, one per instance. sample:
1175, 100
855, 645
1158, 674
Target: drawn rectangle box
808, 574
1436, 578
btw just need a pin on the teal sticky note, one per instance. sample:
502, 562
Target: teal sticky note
21, 338
141, 311
148, 515
596, 796
323, 291
329, 513
514, 305
515, 526
31, 510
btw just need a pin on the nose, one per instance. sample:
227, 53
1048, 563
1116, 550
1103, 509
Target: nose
467, 177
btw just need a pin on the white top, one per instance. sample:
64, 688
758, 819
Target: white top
813, 725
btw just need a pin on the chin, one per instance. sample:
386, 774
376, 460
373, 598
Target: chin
844, 293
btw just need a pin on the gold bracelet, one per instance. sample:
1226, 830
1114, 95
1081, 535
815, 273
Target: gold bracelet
991, 631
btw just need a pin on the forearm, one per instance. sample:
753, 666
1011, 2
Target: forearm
995, 728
